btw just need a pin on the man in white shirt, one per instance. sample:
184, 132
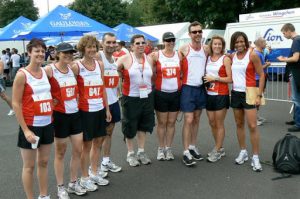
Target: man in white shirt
5, 59
15, 58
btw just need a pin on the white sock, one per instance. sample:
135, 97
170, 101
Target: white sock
140, 150
255, 157
130, 153
192, 147
105, 160
167, 148
186, 152
244, 151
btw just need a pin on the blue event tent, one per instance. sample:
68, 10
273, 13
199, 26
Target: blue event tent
125, 32
63, 22
18, 25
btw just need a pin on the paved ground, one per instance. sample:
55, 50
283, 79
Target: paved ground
163, 180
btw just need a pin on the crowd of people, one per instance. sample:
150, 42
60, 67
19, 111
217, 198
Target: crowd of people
77, 101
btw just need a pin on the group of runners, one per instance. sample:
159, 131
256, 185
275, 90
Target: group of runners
83, 100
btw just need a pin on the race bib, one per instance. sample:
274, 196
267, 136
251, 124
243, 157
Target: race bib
42, 104
93, 92
69, 92
213, 87
170, 72
111, 78
143, 91
93, 89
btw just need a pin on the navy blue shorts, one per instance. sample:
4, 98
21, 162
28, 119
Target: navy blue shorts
115, 113
192, 98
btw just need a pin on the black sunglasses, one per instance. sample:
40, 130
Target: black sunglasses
170, 40
139, 43
197, 31
111, 42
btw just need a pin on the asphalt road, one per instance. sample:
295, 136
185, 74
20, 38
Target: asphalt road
163, 180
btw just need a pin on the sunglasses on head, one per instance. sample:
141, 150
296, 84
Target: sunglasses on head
111, 42
197, 31
140, 43
170, 40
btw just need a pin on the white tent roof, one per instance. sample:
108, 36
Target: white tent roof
158, 30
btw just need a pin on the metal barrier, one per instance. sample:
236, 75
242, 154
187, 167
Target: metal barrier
277, 89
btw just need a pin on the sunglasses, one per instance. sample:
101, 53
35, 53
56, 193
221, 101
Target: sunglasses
140, 43
170, 40
196, 31
110, 42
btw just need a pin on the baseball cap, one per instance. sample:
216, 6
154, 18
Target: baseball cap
65, 47
168, 35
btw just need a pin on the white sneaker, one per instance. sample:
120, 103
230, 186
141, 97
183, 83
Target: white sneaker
110, 166
160, 154
87, 184
132, 160
98, 179
74, 187
44, 197
62, 193
11, 112
242, 158
259, 123
169, 154
103, 174
256, 166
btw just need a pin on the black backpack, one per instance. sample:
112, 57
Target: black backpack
286, 155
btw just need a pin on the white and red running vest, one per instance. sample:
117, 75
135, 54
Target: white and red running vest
37, 103
193, 67
111, 79
168, 73
136, 75
90, 86
64, 89
217, 69
243, 72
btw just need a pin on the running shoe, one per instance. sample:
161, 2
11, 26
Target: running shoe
62, 193
222, 151
160, 154
256, 166
188, 159
44, 197
196, 155
214, 156
75, 188
242, 158
97, 179
11, 112
132, 160
143, 158
88, 184
169, 154
110, 166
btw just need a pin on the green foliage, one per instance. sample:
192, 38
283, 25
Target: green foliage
108, 12
12, 9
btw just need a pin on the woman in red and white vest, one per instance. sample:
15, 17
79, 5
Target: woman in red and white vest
32, 103
218, 74
167, 94
92, 100
66, 118
245, 63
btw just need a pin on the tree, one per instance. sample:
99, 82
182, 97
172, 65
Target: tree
109, 12
12, 9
